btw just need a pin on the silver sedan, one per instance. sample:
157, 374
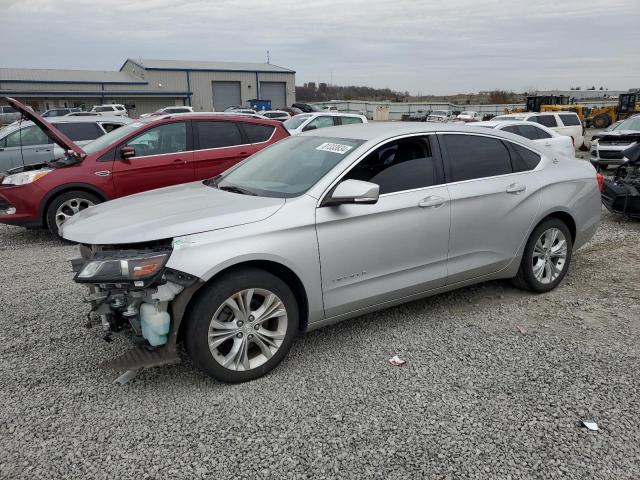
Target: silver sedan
323, 227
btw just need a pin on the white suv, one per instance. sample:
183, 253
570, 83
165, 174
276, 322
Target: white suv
112, 109
304, 122
564, 123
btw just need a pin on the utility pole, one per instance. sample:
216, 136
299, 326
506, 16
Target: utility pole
268, 56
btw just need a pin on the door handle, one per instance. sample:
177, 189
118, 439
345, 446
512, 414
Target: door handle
547, 144
179, 161
431, 202
516, 188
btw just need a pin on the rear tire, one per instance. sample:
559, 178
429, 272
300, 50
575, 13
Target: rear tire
601, 121
65, 206
242, 326
546, 257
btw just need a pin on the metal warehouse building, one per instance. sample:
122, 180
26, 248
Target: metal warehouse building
144, 85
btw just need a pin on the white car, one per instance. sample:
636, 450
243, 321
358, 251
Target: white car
310, 121
559, 144
439, 116
168, 110
111, 109
276, 115
564, 123
469, 116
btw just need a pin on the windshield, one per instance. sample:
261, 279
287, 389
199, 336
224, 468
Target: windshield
111, 137
295, 122
287, 168
628, 124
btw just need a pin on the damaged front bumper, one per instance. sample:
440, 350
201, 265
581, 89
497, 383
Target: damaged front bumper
131, 290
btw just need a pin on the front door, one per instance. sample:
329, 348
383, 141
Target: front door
163, 157
26, 146
494, 199
372, 254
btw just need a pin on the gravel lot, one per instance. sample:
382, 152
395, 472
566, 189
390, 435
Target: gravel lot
495, 385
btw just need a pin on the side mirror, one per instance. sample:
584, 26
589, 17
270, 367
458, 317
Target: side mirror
355, 191
309, 127
632, 154
127, 152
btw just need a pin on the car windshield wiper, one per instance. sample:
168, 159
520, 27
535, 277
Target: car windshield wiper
235, 189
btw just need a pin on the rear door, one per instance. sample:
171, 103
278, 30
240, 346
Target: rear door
163, 157
219, 144
494, 200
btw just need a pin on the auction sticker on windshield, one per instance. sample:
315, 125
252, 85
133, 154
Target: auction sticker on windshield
334, 148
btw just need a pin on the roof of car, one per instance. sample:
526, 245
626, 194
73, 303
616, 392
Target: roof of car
329, 113
384, 130
210, 116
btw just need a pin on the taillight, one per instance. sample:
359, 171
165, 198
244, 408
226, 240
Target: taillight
600, 179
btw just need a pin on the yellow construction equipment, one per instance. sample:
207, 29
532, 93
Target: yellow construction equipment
602, 117
536, 102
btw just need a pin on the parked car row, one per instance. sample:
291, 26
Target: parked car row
139, 155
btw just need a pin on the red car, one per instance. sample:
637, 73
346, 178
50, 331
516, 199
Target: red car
147, 154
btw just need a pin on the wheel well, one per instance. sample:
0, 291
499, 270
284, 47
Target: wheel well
43, 213
283, 273
566, 219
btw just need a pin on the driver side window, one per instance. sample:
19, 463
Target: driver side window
401, 165
161, 140
321, 122
28, 137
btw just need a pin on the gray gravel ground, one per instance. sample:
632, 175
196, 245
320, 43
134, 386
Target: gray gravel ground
495, 385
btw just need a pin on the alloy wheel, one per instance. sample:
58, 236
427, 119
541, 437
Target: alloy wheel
549, 255
247, 329
69, 208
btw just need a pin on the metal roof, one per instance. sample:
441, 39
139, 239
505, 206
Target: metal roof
154, 64
36, 75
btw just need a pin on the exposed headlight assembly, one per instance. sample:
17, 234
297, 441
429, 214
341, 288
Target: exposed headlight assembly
135, 269
23, 178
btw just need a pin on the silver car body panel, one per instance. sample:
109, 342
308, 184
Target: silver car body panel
372, 256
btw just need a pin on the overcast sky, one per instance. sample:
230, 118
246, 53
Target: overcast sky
417, 45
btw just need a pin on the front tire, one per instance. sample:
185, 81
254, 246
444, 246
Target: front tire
65, 206
601, 120
242, 326
546, 257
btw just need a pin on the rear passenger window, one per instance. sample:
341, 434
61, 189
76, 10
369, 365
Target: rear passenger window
522, 159
80, 131
546, 120
472, 156
217, 134
569, 119
257, 133
350, 120
108, 127
539, 133
397, 166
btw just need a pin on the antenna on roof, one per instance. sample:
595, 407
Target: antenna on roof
267, 56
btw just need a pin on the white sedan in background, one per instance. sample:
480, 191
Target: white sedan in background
469, 116
560, 144
311, 121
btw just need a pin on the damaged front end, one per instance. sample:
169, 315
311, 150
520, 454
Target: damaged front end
132, 290
621, 194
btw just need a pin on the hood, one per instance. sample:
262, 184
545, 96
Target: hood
52, 132
167, 213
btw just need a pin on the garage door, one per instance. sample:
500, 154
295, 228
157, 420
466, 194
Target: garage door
274, 91
225, 94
